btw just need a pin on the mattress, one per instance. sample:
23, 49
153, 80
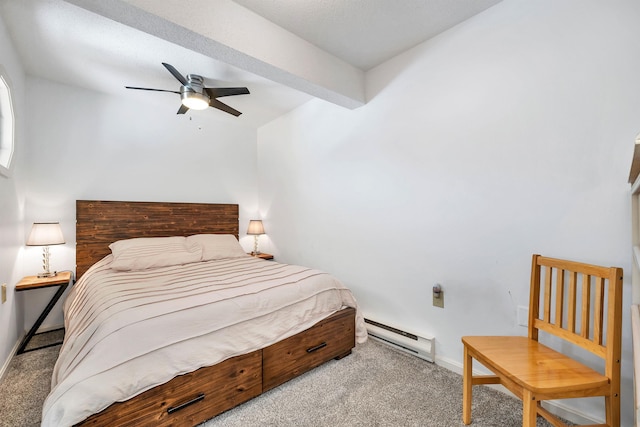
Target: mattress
128, 331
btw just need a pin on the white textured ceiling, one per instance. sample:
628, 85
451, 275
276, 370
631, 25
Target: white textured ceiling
284, 51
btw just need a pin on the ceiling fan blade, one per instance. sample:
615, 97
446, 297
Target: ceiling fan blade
224, 107
175, 73
155, 90
183, 109
217, 92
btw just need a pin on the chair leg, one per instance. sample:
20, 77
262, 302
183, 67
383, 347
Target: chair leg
612, 408
529, 409
467, 384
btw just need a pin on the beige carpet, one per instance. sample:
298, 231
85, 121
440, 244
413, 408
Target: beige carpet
27, 382
374, 386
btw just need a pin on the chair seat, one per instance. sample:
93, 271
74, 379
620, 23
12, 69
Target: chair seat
532, 365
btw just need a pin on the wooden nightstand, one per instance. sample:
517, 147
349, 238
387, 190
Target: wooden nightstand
262, 255
62, 279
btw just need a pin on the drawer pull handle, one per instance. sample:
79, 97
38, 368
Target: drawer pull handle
185, 404
316, 348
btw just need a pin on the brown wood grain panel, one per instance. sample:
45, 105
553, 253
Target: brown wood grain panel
35, 282
100, 223
328, 339
222, 386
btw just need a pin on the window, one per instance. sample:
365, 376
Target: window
7, 123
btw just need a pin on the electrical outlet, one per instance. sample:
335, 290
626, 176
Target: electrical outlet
4, 293
523, 315
439, 300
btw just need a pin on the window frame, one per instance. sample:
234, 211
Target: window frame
7, 124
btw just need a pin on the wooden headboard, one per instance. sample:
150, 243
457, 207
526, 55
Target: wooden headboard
100, 223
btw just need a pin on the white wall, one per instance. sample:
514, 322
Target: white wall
508, 135
11, 202
87, 145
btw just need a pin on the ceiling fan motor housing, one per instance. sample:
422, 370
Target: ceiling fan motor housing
192, 94
194, 82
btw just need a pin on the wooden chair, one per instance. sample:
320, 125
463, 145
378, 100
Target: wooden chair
579, 303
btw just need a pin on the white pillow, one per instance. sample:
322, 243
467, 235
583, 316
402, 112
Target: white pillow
217, 246
148, 252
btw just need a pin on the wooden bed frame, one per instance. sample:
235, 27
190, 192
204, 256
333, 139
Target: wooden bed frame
190, 399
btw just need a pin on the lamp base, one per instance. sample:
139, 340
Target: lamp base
255, 246
47, 274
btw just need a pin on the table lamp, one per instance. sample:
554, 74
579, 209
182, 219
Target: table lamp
255, 229
45, 234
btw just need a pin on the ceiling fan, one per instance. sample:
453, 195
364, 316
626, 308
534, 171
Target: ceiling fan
197, 97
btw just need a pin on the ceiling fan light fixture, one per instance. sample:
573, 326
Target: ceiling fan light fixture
193, 94
194, 100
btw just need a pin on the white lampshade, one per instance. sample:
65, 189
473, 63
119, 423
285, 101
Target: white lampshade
45, 234
255, 227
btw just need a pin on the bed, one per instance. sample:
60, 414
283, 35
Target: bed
175, 340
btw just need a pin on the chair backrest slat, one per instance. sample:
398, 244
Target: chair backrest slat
586, 305
598, 314
571, 315
562, 291
559, 298
547, 294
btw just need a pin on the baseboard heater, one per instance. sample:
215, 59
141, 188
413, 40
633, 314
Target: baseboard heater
423, 347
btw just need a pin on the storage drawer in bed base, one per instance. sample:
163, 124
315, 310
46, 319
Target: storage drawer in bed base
195, 397
333, 337
189, 399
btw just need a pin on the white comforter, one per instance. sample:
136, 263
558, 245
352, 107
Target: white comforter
127, 332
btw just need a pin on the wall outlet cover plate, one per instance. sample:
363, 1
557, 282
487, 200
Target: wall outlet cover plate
523, 315
439, 302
